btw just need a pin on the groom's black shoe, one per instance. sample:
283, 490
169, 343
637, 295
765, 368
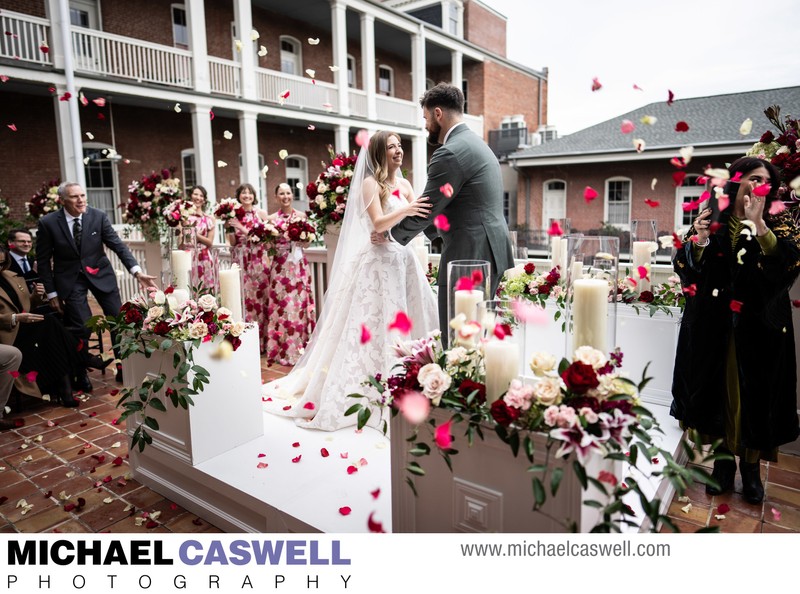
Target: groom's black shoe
724, 473
82, 384
752, 487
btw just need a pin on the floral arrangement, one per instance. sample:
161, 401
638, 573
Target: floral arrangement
147, 199
45, 201
661, 297
300, 230
327, 196
228, 209
181, 213
782, 151
584, 407
264, 232
156, 322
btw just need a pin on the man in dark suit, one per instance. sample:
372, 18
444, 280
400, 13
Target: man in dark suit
71, 260
478, 230
20, 243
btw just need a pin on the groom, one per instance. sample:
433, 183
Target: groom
478, 230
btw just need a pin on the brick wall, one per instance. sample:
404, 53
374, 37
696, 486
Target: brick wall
583, 216
29, 7
148, 20
484, 28
508, 92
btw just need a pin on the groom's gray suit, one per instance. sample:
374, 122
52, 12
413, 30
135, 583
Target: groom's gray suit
478, 230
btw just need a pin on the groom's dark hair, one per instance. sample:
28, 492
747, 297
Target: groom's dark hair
445, 96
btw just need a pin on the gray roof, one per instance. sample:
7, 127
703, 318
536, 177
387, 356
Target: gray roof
712, 120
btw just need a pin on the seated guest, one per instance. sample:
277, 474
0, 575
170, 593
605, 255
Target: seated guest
10, 360
47, 348
20, 243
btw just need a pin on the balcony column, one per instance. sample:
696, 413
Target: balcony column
203, 143
68, 132
339, 27
243, 15
57, 46
456, 68
248, 132
368, 64
419, 162
342, 139
196, 17
418, 70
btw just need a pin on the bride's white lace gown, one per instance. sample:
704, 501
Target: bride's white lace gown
388, 279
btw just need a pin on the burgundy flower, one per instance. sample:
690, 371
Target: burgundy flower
767, 137
504, 414
553, 276
234, 340
161, 328
646, 297
467, 387
544, 289
133, 316
580, 377
530, 268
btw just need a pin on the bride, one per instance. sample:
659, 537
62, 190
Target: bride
369, 285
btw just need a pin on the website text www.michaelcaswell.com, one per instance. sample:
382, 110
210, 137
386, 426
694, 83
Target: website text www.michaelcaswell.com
566, 549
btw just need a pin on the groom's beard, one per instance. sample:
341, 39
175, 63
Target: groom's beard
433, 135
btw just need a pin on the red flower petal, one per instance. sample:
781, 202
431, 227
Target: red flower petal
345, 511
596, 86
375, 493
366, 335
287, 407
642, 272
173, 506
441, 223
30, 377
401, 323
351, 469
723, 508
48, 494
690, 290
92, 271
309, 406
736, 305
107, 479
92, 414
477, 277
670, 97
677, 179
68, 507
589, 194
442, 435
651, 203
324, 453
796, 303
12, 127
14, 374
447, 190
296, 460
555, 229
464, 284
117, 461
211, 115
681, 127
261, 456
607, 477
296, 444
151, 524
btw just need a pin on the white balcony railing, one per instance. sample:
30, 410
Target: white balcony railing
225, 76
303, 93
358, 103
398, 111
114, 55
23, 36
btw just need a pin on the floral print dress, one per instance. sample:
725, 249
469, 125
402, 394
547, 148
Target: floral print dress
290, 312
255, 265
204, 263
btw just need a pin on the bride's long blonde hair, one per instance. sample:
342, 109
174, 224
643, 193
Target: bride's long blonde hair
377, 157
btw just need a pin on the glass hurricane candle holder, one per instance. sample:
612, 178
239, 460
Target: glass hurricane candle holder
592, 281
468, 283
644, 245
230, 267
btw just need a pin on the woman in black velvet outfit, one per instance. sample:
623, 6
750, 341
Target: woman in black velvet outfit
735, 376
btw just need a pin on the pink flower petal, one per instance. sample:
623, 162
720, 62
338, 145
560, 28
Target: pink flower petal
607, 477
627, 127
637, 87
652, 203
775, 514
261, 456
442, 435
737, 176
211, 115
31, 376
596, 86
589, 194
375, 493
525, 311
366, 335
762, 190
345, 511
401, 323
99, 102
678, 177
362, 138
344, 455
555, 229
642, 271
414, 406
723, 201
262, 465
362, 462
12, 127
3, 78
776, 207
441, 223
447, 190
464, 284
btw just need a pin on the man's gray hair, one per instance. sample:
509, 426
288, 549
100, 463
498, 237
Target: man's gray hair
62, 188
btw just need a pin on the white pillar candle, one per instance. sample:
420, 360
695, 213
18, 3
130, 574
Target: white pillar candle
564, 256
181, 262
466, 302
555, 251
421, 251
181, 296
577, 271
230, 292
642, 251
501, 359
590, 313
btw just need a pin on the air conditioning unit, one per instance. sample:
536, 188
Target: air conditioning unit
547, 133
535, 139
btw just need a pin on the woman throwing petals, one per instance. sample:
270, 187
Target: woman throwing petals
735, 376
370, 285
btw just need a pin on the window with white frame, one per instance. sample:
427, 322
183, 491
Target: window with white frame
189, 169
297, 178
452, 19
180, 29
618, 202
385, 80
351, 71
291, 55
690, 191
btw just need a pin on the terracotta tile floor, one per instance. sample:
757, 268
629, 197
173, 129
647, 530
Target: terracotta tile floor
81, 454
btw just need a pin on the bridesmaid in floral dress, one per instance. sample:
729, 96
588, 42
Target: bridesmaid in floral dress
205, 225
290, 312
255, 260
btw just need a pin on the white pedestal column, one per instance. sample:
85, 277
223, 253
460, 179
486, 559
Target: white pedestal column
248, 132
243, 15
342, 139
339, 26
196, 17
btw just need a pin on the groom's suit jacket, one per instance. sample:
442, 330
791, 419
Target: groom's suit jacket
478, 230
59, 262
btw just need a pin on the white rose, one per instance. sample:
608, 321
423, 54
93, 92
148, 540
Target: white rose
322, 188
434, 382
207, 302
197, 330
172, 302
456, 355
155, 312
515, 273
590, 356
224, 312
542, 362
340, 189
548, 391
237, 328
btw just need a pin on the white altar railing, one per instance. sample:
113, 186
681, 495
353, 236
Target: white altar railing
22, 37
225, 76
303, 93
103, 53
398, 111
